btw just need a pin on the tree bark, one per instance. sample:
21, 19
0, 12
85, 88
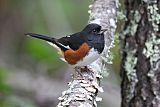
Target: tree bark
84, 87
140, 68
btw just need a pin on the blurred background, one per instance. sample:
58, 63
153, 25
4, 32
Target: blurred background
31, 73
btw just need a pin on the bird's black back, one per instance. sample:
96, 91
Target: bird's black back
74, 41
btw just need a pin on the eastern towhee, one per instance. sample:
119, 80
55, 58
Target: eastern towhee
79, 49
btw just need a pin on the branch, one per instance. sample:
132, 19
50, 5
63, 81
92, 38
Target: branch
84, 87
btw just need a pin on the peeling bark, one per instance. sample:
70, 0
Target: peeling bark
140, 69
84, 87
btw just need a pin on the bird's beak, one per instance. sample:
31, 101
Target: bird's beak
102, 31
43, 37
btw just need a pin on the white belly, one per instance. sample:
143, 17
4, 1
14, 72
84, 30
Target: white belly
91, 57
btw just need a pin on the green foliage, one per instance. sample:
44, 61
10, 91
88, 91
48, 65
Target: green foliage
4, 88
42, 51
39, 50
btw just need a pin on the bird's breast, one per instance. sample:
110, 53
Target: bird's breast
73, 57
92, 56
81, 57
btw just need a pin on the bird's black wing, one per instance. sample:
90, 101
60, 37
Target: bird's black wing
74, 41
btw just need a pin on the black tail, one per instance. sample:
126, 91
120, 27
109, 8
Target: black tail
49, 39
46, 38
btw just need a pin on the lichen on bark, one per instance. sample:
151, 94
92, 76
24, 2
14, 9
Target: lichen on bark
141, 45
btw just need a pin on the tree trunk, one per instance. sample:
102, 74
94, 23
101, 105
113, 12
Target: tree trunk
140, 68
84, 87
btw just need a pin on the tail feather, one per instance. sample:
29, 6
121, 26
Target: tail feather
48, 39
43, 37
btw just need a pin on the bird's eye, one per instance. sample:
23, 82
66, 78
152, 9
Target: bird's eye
94, 31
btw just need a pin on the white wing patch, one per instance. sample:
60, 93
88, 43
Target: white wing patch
63, 59
56, 47
68, 36
65, 46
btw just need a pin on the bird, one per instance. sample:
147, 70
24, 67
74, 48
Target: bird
78, 49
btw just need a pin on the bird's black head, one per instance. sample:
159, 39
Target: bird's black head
94, 36
92, 29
